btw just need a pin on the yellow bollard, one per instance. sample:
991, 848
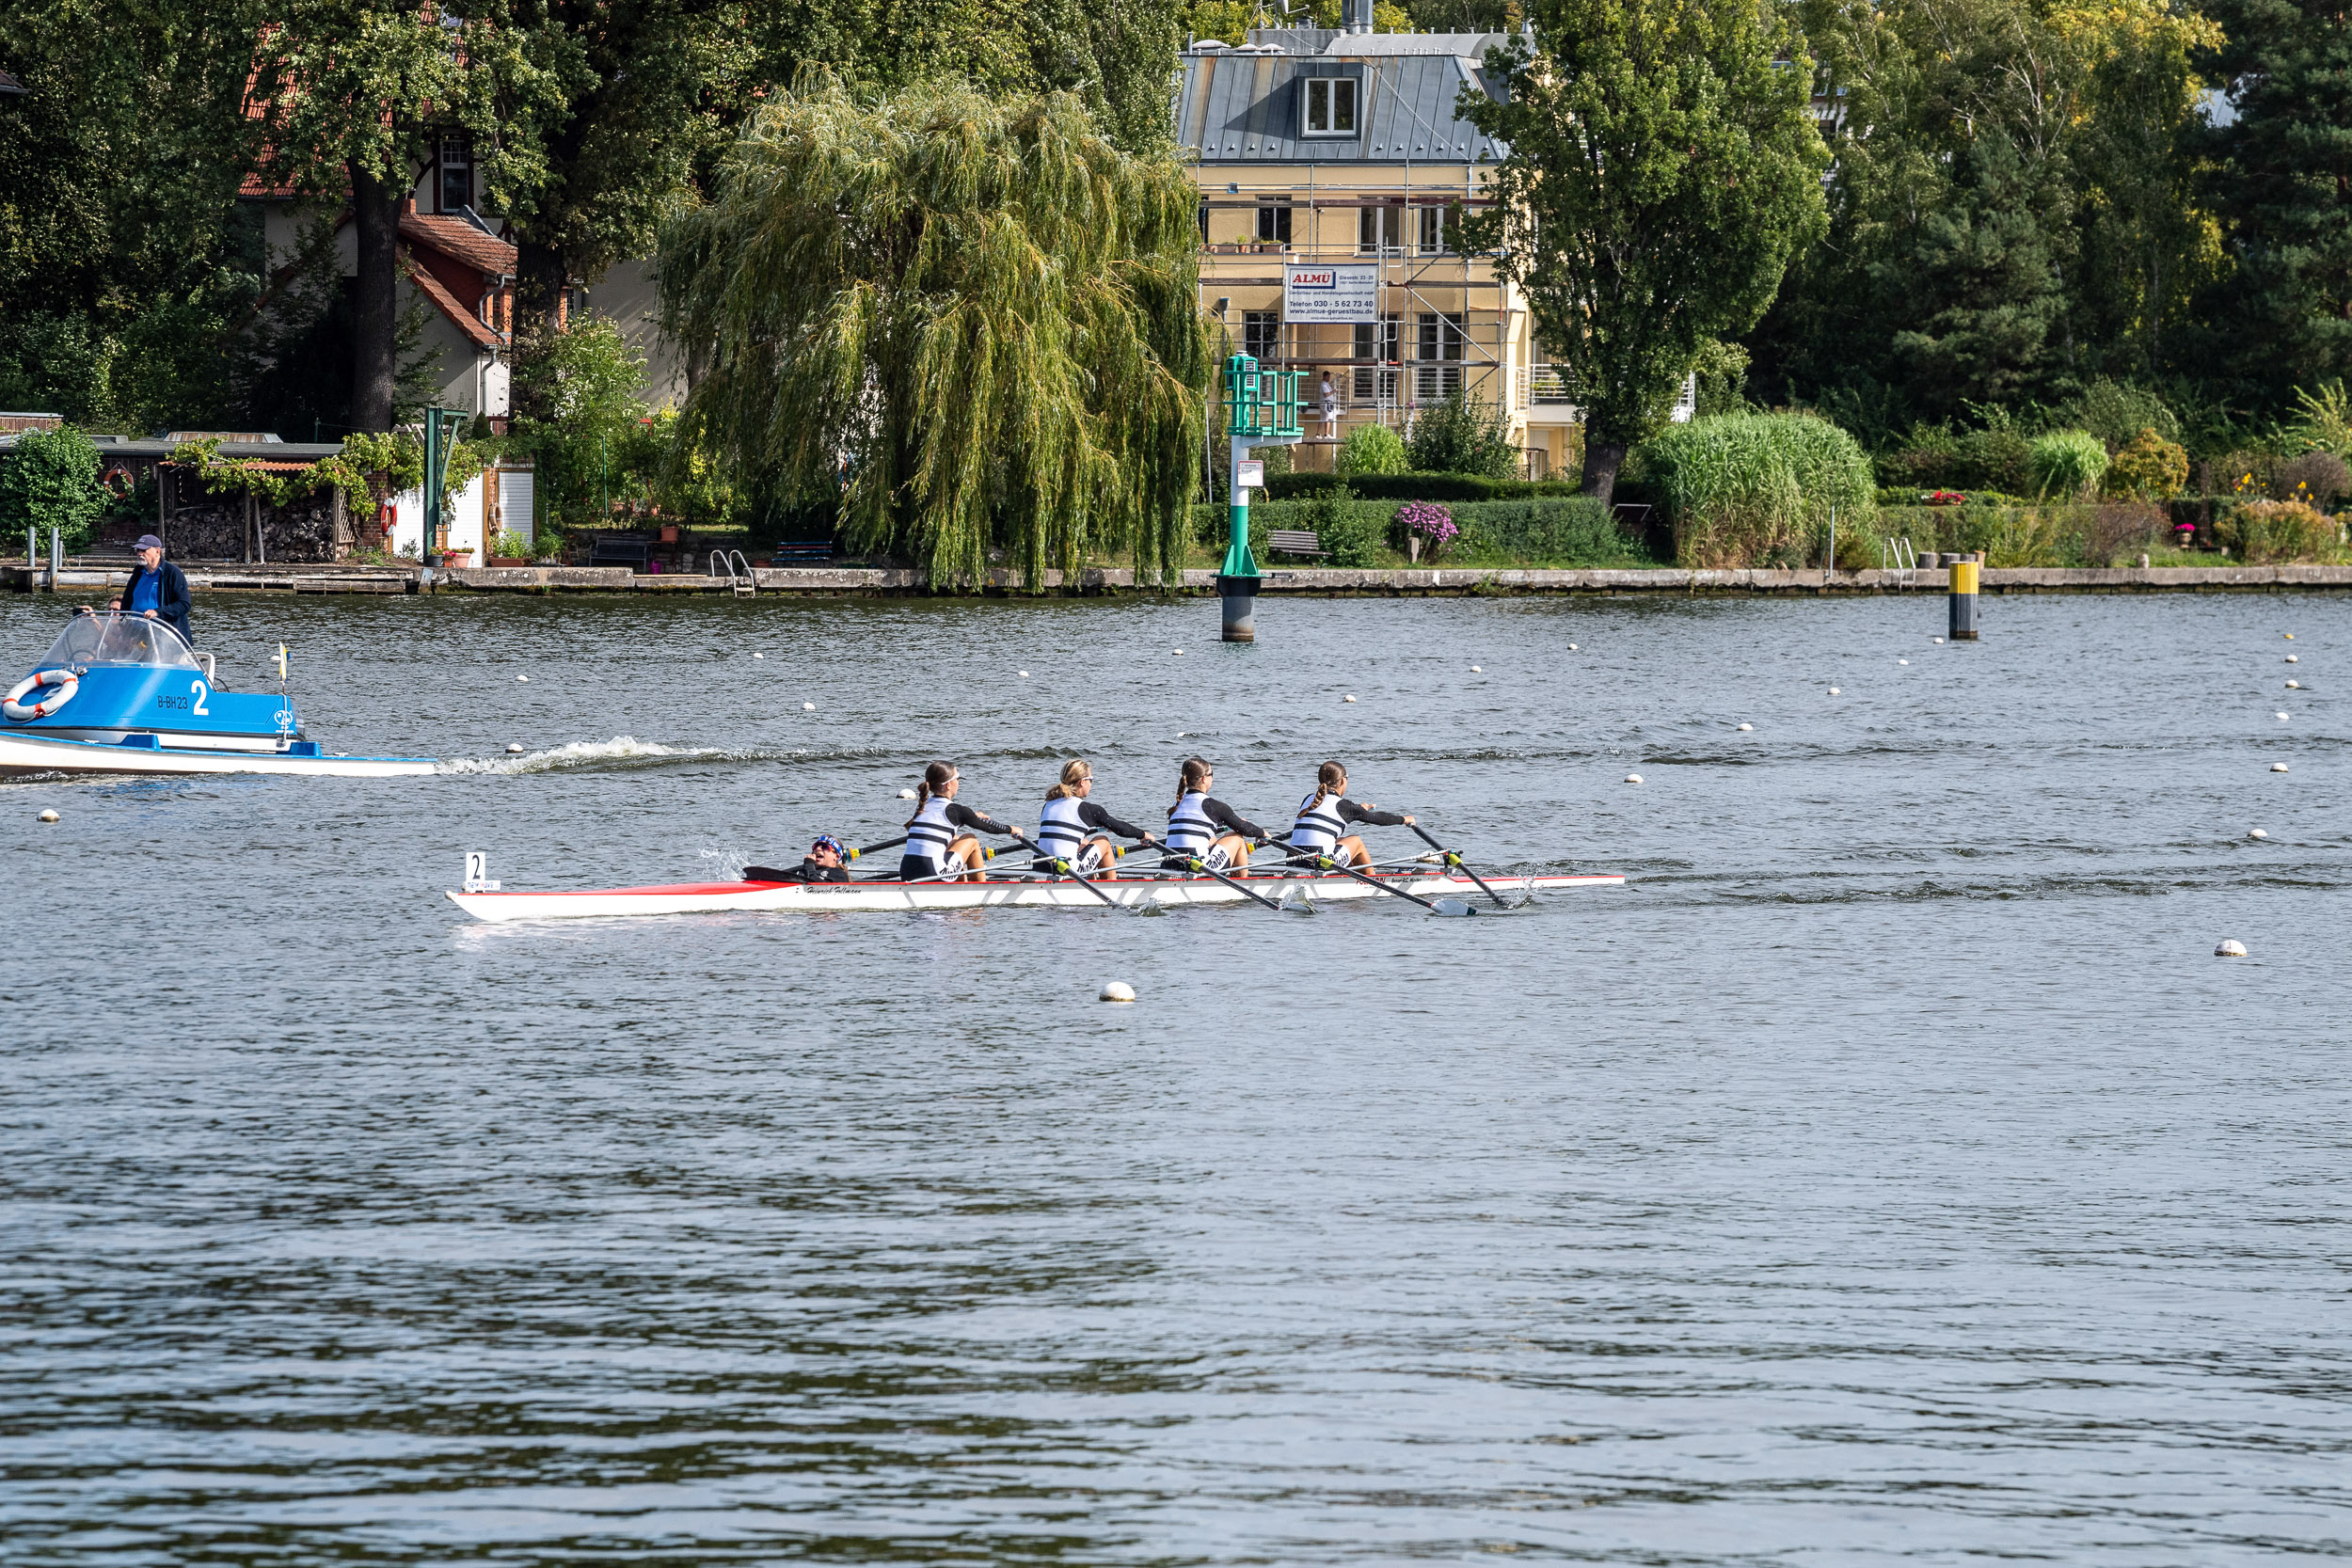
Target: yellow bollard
1963, 628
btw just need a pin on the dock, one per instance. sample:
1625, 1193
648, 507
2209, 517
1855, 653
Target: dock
92, 579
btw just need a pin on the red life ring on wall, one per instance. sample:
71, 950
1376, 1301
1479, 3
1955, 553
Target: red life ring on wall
119, 473
14, 705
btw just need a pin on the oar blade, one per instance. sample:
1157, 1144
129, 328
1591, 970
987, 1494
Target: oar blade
1449, 907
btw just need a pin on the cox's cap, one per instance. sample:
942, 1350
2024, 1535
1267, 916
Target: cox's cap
826, 841
149, 542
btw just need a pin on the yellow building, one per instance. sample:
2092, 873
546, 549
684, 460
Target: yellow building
1332, 167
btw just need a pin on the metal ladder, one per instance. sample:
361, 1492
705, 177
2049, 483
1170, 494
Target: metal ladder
1896, 555
745, 585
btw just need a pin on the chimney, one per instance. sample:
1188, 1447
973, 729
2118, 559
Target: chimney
1355, 15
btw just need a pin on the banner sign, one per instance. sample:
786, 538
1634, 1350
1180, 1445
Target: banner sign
1347, 292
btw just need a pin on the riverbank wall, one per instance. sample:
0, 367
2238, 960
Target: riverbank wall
92, 580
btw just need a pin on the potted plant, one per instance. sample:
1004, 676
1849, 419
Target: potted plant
510, 549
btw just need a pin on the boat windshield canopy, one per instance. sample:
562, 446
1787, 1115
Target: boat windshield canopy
109, 638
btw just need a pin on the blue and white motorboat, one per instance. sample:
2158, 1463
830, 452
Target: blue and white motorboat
119, 693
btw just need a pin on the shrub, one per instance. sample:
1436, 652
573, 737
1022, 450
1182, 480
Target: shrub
2067, 464
51, 481
1747, 487
1462, 435
1573, 530
2117, 414
1351, 536
2319, 477
2276, 530
1933, 457
2149, 468
1371, 448
1433, 523
1414, 487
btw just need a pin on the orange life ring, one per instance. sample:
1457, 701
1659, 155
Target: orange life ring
109, 479
14, 705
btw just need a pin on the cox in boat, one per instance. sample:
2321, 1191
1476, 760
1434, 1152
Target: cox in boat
121, 693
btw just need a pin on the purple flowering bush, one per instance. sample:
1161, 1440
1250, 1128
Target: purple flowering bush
1432, 522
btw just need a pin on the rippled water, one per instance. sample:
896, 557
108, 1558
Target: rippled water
1888, 1171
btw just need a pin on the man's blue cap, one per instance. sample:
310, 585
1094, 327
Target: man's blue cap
149, 542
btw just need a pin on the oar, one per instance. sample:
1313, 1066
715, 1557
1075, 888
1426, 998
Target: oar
1200, 866
1442, 906
1066, 869
869, 848
1453, 859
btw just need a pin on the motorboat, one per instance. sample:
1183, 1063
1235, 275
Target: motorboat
124, 693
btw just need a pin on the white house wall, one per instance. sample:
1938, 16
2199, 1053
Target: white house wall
628, 294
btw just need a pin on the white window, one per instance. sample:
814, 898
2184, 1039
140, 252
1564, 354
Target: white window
1380, 230
1261, 333
1330, 106
456, 169
1429, 229
1376, 384
1441, 337
1274, 224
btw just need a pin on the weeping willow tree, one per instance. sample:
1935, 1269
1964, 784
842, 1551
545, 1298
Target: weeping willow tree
971, 324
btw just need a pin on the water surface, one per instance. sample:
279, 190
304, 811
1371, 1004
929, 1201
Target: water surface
1889, 1172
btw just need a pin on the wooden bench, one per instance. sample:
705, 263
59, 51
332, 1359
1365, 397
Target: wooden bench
1293, 540
633, 551
801, 552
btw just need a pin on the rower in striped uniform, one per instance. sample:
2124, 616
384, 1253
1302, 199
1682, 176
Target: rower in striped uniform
1073, 832
1203, 826
1325, 816
933, 840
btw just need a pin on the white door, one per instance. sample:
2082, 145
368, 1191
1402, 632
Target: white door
515, 502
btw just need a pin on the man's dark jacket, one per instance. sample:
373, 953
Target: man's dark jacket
171, 595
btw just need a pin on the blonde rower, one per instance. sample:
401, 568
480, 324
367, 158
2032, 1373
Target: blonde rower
1325, 816
1201, 826
1073, 828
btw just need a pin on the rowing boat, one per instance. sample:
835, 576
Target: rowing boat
867, 896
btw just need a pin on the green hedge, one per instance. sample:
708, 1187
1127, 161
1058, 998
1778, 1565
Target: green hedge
1414, 487
1564, 531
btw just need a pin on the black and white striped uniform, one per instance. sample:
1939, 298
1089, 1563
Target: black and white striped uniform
1195, 822
1322, 825
936, 824
1065, 825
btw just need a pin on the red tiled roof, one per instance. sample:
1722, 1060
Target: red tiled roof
456, 237
434, 290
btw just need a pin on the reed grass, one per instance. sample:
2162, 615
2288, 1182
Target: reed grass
1759, 489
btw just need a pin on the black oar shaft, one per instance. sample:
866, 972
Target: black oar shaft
1453, 859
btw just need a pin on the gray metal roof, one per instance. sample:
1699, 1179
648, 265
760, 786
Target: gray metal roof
1243, 107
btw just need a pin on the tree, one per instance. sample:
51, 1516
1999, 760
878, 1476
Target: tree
578, 413
967, 322
1662, 172
51, 481
2284, 184
123, 252
354, 97
645, 85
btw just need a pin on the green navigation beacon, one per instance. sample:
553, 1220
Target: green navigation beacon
1262, 411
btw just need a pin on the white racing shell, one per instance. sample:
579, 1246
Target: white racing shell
876, 896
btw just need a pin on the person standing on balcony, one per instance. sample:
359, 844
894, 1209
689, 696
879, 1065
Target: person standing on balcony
1330, 408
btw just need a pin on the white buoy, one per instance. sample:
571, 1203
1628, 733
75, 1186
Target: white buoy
1833, 691
1478, 668
1935, 639
514, 746
1571, 647
1633, 777
808, 708
1179, 652
2295, 686
759, 656
49, 816
2282, 718
522, 678
906, 794
1349, 698
1024, 674
1902, 661
1118, 990
2278, 768
2230, 950
1745, 728
2256, 832
2294, 659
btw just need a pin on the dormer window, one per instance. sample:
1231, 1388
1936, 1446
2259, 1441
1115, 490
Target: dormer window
1330, 106
456, 169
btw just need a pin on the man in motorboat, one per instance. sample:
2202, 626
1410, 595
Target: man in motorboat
157, 590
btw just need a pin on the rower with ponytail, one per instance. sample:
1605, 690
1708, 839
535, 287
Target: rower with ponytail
1073, 832
1203, 826
933, 839
1324, 818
